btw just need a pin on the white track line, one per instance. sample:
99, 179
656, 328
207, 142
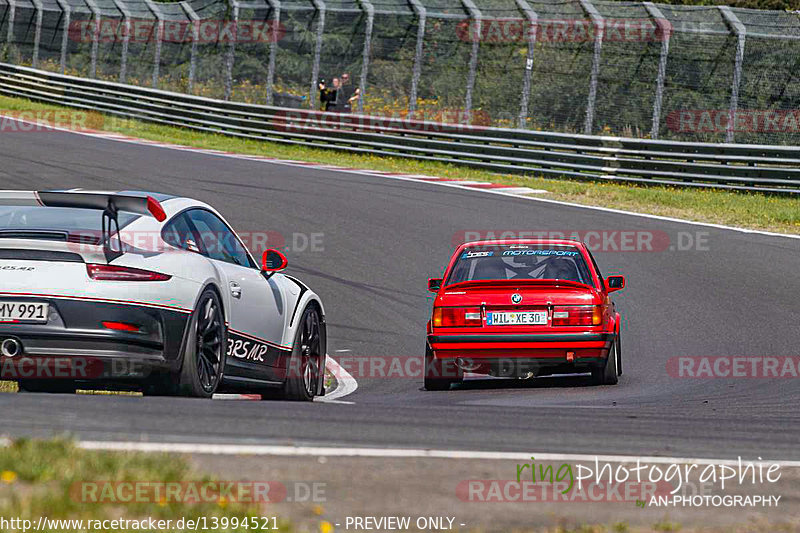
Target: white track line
346, 384
324, 451
409, 177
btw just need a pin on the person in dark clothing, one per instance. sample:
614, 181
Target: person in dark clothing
350, 95
328, 96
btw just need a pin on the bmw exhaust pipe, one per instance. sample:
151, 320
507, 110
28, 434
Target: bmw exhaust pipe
10, 348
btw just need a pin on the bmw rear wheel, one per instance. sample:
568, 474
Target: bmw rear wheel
608, 374
439, 374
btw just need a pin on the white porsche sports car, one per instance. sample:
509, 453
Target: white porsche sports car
142, 290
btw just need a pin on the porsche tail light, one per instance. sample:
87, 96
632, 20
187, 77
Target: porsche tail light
121, 326
118, 273
450, 317
584, 315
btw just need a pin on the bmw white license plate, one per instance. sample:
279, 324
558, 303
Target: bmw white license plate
23, 312
521, 318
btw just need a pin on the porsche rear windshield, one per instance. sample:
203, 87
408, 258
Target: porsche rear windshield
503, 262
56, 219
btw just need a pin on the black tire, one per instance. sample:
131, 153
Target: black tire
50, 386
608, 374
204, 350
439, 375
304, 367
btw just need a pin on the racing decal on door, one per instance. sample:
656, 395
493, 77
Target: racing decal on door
251, 349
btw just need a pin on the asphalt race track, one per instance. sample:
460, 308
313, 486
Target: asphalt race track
382, 239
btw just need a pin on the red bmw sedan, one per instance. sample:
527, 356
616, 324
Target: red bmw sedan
523, 308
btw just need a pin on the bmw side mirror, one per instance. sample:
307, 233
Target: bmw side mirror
615, 283
273, 261
434, 284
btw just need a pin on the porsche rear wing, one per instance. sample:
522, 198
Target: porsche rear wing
101, 201
110, 204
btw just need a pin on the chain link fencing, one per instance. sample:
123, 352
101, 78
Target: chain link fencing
634, 69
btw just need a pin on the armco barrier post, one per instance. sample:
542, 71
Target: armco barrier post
599, 30
738, 29
319, 6
275, 6
665, 33
95, 37
477, 19
533, 20
126, 38
416, 69
66, 15
195, 37
369, 11
156, 11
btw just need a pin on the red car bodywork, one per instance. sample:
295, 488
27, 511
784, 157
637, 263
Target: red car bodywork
515, 350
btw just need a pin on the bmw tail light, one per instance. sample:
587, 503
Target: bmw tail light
118, 273
585, 315
453, 317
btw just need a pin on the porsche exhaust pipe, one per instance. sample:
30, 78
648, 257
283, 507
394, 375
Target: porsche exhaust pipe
10, 347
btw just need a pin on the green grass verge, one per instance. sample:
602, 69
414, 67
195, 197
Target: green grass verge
755, 211
45, 478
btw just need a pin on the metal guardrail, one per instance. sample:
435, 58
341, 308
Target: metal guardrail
762, 168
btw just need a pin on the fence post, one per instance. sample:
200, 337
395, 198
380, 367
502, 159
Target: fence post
477, 17
740, 32
665, 32
195, 36
533, 20
366, 6
12, 11
599, 30
416, 70
37, 33
319, 5
66, 10
95, 37
159, 39
275, 5
126, 20
231, 55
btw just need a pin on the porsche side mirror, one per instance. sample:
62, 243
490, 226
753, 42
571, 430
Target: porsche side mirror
273, 261
615, 283
434, 284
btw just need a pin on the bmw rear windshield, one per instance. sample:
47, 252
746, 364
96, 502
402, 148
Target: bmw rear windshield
520, 262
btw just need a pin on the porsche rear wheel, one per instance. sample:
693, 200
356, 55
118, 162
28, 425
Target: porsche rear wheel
608, 374
439, 374
204, 349
304, 366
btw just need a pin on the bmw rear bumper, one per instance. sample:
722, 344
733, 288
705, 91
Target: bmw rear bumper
74, 343
511, 354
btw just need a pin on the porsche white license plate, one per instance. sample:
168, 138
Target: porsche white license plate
519, 318
23, 312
